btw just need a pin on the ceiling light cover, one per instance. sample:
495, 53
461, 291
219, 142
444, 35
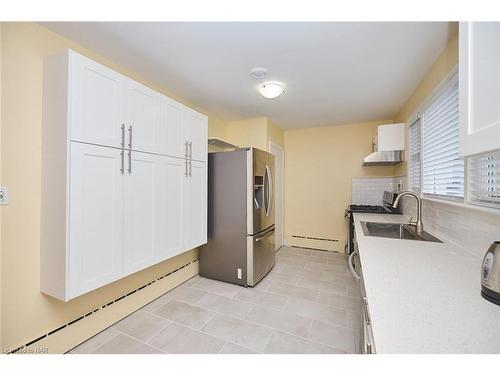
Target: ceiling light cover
258, 73
271, 90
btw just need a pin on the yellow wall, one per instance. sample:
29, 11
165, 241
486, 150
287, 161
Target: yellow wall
256, 132
248, 133
1, 320
443, 65
275, 134
319, 165
27, 313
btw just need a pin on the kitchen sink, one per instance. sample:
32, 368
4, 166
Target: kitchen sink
398, 231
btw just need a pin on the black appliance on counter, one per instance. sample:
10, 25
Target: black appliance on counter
386, 208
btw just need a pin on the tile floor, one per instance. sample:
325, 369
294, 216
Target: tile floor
308, 303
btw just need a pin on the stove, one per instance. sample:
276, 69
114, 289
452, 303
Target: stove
365, 208
386, 208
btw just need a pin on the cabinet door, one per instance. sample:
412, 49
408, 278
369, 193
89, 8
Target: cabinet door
195, 206
170, 129
95, 217
168, 204
96, 97
143, 116
139, 210
479, 60
195, 132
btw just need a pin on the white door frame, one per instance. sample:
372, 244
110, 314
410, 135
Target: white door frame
281, 240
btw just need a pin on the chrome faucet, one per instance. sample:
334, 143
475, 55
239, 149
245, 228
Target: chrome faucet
418, 224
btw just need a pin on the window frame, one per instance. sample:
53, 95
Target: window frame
419, 115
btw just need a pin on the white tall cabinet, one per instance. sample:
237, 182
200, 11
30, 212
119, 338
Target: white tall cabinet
479, 80
124, 177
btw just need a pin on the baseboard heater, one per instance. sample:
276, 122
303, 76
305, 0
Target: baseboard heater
315, 238
316, 243
99, 308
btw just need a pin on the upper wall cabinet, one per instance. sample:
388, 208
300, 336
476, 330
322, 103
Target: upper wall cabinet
124, 182
142, 117
479, 75
96, 96
183, 132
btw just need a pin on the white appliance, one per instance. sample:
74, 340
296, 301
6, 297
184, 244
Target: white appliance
388, 145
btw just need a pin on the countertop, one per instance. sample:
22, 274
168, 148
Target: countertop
424, 297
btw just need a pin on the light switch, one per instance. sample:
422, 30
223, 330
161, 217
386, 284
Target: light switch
4, 195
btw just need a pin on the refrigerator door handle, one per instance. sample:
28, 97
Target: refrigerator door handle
265, 235
269, 190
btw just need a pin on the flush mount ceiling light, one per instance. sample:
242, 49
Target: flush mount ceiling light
258, 73
271, 90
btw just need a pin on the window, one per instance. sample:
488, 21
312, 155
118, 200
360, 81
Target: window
415, 151
485, 179
442, 167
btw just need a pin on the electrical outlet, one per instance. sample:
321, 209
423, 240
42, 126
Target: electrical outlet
239, 273
4, 195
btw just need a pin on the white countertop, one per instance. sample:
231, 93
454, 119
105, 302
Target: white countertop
424, 297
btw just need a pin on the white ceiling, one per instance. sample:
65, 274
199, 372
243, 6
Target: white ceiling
334, 72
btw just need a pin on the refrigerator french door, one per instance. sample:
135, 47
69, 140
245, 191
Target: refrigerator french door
240, 246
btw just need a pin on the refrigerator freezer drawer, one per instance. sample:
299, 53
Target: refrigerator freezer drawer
260, 255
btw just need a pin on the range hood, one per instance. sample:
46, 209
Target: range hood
388, 145
384, 158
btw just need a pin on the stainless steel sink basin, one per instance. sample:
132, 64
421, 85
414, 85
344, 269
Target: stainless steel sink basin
398, 231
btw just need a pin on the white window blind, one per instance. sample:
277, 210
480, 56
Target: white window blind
415, 151
443, 168
485, 179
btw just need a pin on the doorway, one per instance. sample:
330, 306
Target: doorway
279, 168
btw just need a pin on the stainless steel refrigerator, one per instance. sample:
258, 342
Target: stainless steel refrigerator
241, 240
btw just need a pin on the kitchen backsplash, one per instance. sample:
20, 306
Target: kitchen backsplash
471, 227
369, 190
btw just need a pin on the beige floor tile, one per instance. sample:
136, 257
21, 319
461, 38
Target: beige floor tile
191, 281
94, 342
177, 339
217, 287
334, 336
353, 291
225, 305
354, 320
230, 348
283, 277
317, 311
181, 312
340, 277
122, 344
155, 304
293, 291
262, 298
141, 325
280, 320
310, 275
282, 343
340, 302
240, 332
323, 286
186, 294
291, 269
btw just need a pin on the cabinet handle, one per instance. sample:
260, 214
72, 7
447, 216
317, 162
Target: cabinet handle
123, 136
190, 158
130, 137
122, 156
186, 158
129, 161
